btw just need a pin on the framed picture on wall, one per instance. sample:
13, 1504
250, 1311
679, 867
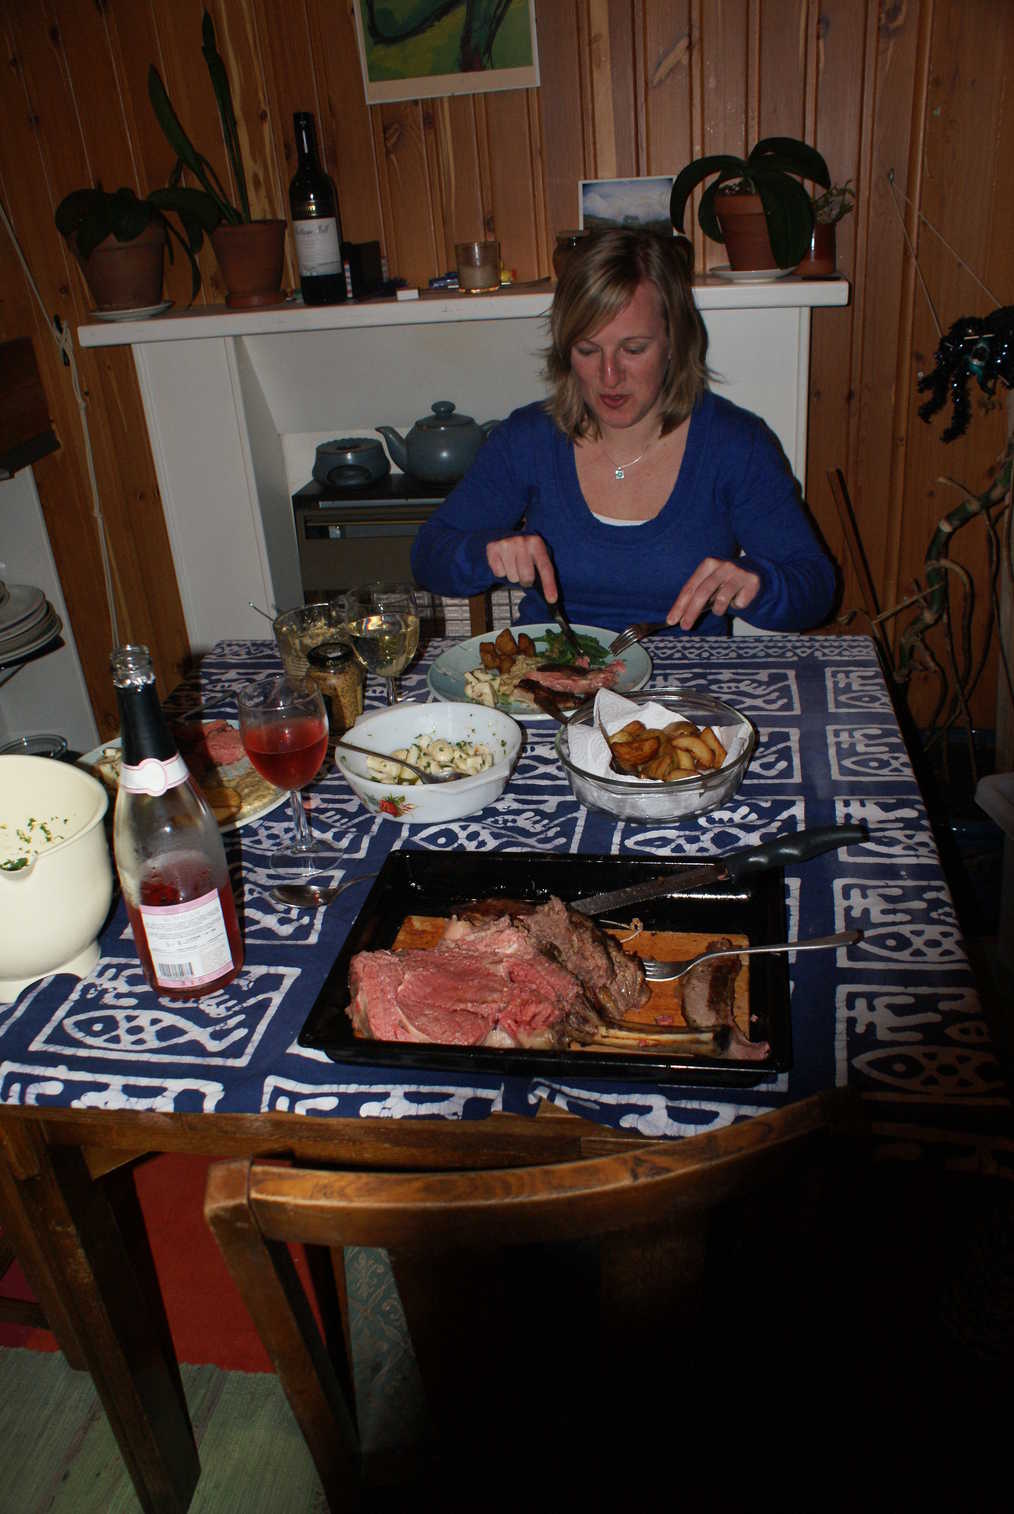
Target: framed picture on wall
416, 49
640, 203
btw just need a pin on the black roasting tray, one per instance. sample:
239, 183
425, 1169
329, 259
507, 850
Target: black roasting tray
440, 883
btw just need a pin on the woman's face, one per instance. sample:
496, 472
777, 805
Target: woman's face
621, 367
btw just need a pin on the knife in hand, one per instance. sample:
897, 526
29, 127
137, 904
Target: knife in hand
797, 847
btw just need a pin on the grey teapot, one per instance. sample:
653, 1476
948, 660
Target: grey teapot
440, 447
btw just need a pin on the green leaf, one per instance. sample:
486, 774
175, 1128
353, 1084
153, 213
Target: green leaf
226, 113
695, 173
789, 214
791, 156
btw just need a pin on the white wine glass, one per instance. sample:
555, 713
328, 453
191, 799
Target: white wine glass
382, 623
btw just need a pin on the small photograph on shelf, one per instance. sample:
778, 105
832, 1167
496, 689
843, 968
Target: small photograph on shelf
639, 203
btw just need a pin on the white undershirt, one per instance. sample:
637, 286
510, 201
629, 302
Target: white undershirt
610, 520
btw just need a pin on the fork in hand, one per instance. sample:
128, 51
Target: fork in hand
636, 632
659, 972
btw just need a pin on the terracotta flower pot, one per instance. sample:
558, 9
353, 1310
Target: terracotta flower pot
251, 257
745, 231
821, 259
127, 275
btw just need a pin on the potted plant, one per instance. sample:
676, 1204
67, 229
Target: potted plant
119, 240
756, 205
828, 209
249, 252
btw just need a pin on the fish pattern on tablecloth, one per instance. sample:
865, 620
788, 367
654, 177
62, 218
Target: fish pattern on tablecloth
899, 1020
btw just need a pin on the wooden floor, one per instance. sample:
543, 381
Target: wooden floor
59, 1455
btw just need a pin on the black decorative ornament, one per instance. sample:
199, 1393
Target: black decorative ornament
975, 347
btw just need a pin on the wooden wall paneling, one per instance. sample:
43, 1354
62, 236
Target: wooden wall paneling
566, 159
285, 48
412, 239
133, 46
625, 95
667, 89
138, 540
881, 293
966, 85
185, 76
783, 54
60, 478
512, 186
544, 240
599, 94
236, 32
726, 99
457, 169
42, 136
350, 141
838, 130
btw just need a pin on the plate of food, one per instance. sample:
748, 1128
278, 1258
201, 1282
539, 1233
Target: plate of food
213, 751
531, 671
458, 962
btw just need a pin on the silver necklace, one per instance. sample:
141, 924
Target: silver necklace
619, 469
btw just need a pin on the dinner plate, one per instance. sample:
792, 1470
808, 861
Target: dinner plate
257, 796
750, 275
22, 603
139, 313
417, 892
33, 641
446, 677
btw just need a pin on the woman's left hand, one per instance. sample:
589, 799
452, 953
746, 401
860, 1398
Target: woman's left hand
714, 585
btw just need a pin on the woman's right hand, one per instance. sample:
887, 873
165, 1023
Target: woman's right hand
522, 560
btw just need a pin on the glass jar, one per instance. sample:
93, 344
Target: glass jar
335, 669
567, 242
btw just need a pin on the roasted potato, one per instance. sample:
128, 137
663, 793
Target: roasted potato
632, 754
489, 655
628, 732
505, 642
526, 645
678, 750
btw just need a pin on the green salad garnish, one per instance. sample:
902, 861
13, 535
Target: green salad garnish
558, 649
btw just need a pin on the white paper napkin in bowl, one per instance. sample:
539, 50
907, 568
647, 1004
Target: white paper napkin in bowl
590, 751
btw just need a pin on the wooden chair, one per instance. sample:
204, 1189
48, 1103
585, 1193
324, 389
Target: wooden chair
456, 1240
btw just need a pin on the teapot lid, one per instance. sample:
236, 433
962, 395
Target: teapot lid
444, 415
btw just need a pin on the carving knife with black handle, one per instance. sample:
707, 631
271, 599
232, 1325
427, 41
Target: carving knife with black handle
797, 847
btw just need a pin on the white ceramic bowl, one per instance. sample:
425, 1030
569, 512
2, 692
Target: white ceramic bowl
694, 795
395, 728
52, 910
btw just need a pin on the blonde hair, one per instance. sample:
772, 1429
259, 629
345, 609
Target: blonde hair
599, 280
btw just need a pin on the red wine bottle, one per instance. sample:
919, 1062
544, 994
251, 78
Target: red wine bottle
316, 224
168, 849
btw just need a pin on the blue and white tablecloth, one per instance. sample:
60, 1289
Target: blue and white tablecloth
895, 1017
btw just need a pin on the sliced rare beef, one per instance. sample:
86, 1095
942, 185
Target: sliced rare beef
613, 981
492, 988
576, 681
709, 997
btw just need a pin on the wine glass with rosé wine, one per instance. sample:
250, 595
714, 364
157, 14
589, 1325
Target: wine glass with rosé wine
283, 724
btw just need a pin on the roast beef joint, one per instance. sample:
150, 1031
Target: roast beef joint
507, 973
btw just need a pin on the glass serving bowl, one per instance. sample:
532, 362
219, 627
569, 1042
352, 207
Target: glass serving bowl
646, 799
307, 626
42, 745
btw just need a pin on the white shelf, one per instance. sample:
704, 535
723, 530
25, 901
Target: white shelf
520, 302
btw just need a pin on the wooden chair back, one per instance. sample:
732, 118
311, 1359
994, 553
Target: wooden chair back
445, 1230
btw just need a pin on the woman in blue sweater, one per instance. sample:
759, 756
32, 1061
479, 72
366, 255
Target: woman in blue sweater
633, 492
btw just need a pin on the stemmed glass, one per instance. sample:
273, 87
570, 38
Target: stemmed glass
283, 725
382, 622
